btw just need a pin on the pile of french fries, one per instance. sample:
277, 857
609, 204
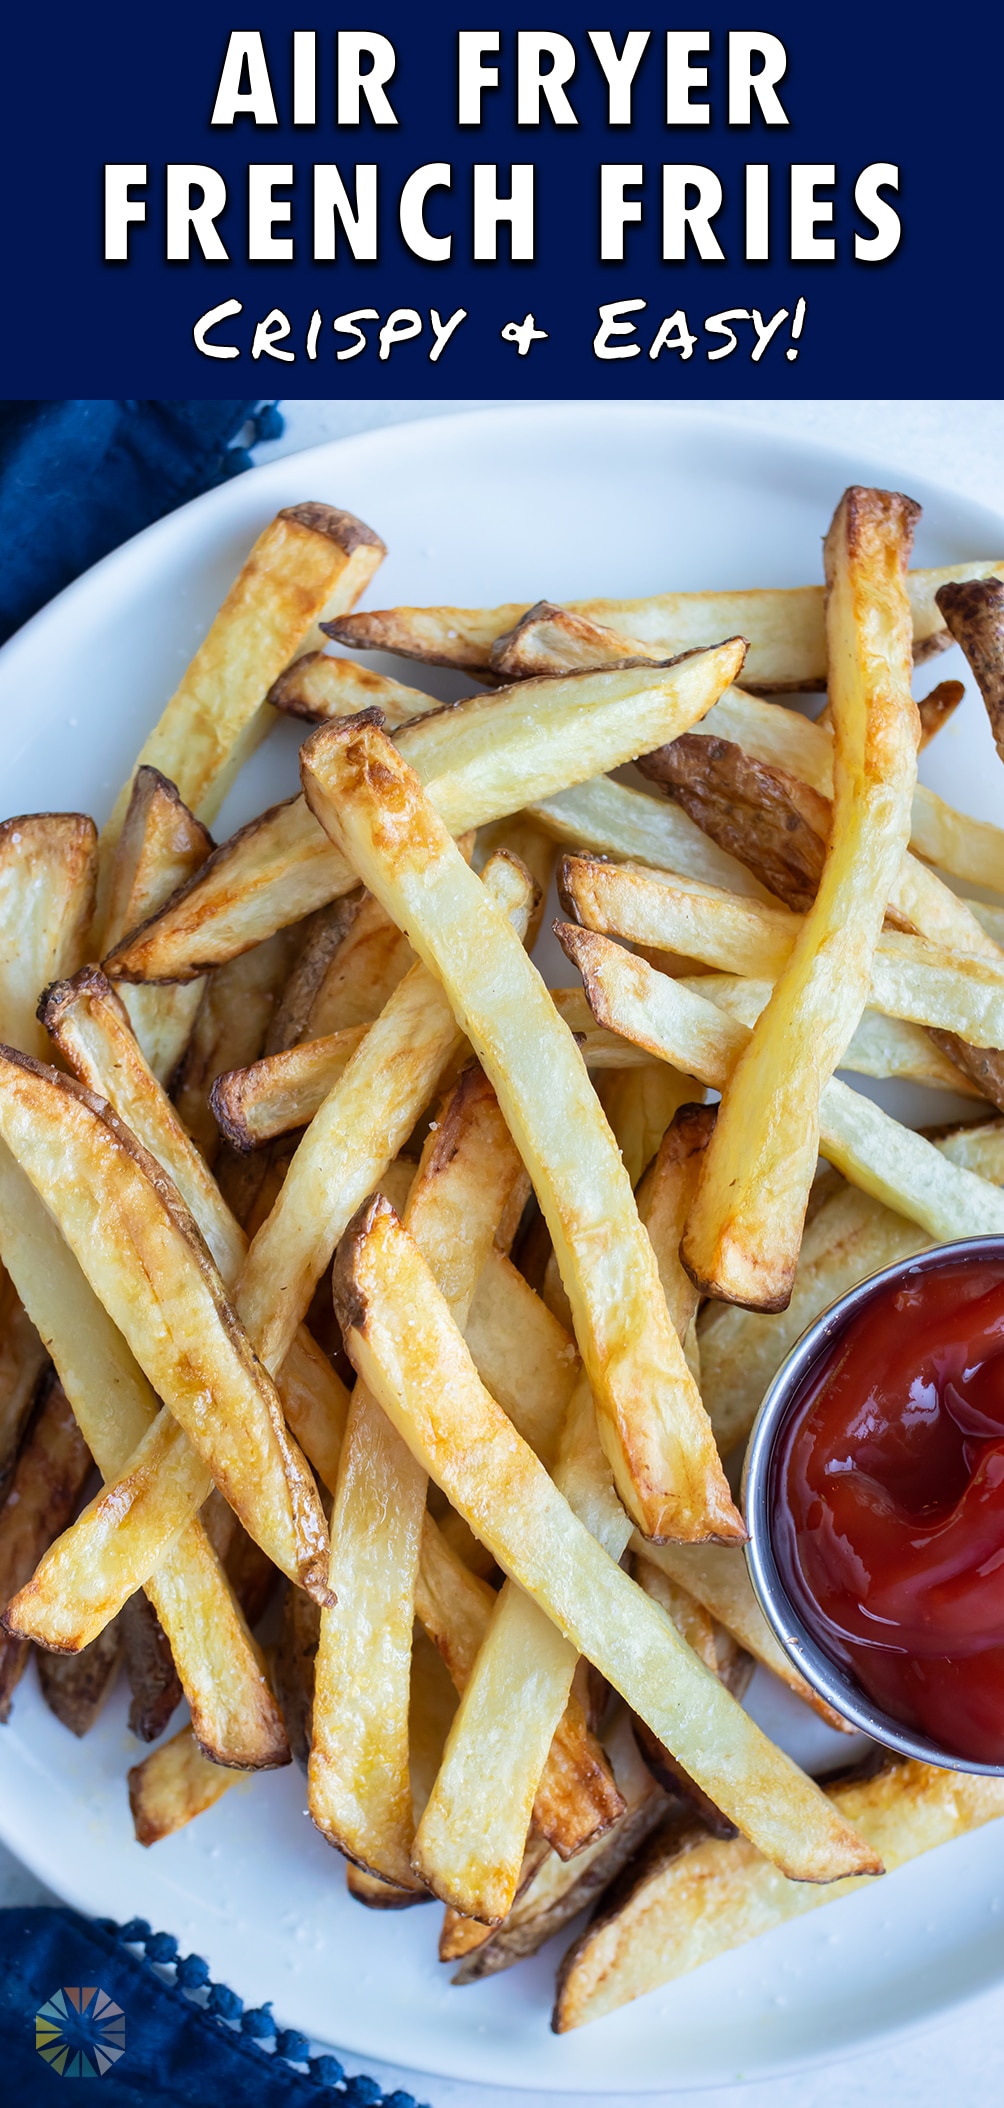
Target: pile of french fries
356, 1281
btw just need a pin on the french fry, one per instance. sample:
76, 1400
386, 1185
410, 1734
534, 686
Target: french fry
47, 1482
935, 709
560, 1889
293, 1669
87, 1022
663, 1199
153, 1678
692, 1897
485, 757
75, 1686
318, 686
48, 866
695, 1627
887, 1160
639, 1105
22, 1360
651, 1418
364, 1121
535, 847
785, 627
161, 846
359, 1790
403, 1343
172, 1785
881, 1046
138, 1247
745, 1223
309, 558
362, 974
230, 1029
851, 1237
911, 978
974, 613
610, 819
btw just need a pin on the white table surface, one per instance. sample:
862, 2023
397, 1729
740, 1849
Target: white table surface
960, 2061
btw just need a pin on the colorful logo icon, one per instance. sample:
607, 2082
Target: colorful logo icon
80, 2031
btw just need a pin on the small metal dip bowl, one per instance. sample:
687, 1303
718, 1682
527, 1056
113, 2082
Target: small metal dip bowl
760, 1498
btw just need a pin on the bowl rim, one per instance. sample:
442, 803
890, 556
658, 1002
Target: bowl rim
826, 1676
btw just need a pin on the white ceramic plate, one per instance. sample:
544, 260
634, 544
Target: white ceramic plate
564, 500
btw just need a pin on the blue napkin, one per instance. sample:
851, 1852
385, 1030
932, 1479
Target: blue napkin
77, 478
82, 1999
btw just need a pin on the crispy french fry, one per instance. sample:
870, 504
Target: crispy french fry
785, 627
560, 1889
691, 1897
75, 1686
744, 1228
887, 1160
974, 612
48, 865
485, 757
138, 1247
911, 978
318, 686
851, 1237
174, 1784
405, 1346
89, 1026
651, 1419
359, 1785
46, 1484
281, 1092
364, 1121
310, 557
161, 846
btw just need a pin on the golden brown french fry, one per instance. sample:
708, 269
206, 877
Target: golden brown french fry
359, 1785
852, 1236
785, 627
362, 974
745, 1224
138, 1247
651, 1418
974, 612
405, 1346
48, 865
485, 757
887, 1160
911, 978
173, 1785
318, 686
558, 1890
691, 1897
88, 1024
364, 1121
310, 557
161, 846
47, 1482
281, 1092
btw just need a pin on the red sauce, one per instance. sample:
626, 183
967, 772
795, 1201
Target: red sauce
889, 1504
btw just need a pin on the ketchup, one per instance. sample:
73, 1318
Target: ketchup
888, 1497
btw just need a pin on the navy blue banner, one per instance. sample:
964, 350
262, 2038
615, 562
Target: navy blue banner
396, 200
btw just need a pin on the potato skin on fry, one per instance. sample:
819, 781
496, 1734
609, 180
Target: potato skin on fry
974, 612
47, 1482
